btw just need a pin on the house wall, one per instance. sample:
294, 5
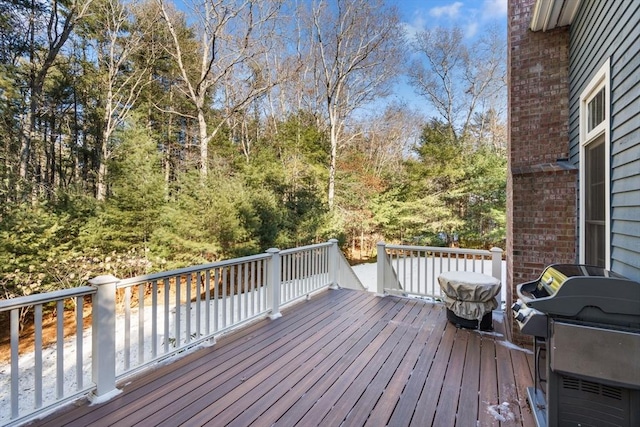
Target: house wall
611, 29
541, 192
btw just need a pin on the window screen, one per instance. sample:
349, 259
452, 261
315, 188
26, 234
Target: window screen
595, 194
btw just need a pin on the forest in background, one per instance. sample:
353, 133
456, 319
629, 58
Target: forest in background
139, 136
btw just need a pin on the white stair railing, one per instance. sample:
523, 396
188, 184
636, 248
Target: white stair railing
346, 277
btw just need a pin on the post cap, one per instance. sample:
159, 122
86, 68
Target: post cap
103, 280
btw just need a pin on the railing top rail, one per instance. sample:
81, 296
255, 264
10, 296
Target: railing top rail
440, 249
191, 269
305, 248
24, 301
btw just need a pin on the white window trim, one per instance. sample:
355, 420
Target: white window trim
600, 80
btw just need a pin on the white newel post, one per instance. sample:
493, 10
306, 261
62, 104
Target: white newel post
496, 270
381, 261
273, 293
333, 264
103, 337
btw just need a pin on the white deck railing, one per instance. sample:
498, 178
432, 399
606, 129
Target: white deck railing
305, 270
414, 270
144, 320
54, 375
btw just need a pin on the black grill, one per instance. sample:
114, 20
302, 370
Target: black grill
585, 321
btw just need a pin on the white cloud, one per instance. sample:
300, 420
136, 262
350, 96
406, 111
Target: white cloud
418, 23
450, 11
494, 9
470, 19
471, 29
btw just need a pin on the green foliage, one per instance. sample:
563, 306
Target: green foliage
131, 213
485, 214
451, 194
262, 217
300, 135
28, 236
203, 221
290, 171
37, 245
400, 217
267, 181
305, 212
289, 205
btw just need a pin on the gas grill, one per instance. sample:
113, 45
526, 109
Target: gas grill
585, 321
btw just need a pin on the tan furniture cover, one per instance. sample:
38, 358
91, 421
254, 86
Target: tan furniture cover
468, 294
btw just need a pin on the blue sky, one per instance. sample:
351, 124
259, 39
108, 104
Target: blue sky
472, 16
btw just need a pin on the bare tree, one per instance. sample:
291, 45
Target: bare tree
387, 137
355, 47
489, 129
119, 41
459, 80
222, 71
46, 39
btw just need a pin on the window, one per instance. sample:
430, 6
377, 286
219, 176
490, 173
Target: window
594, 197
594, 171
595, 110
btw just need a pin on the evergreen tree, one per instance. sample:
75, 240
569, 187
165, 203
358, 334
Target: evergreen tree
451, 193
38, 245
202, 221
131, 214
485, 187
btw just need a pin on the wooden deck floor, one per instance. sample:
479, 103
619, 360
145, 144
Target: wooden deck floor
341, 358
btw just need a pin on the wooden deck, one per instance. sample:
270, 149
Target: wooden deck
341, 358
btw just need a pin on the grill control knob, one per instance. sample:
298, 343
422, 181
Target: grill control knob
516, 306
522, 314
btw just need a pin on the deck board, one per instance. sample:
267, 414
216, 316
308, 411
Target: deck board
388, 402
341, 399
328, 358
341, 358
408, 400
508, 406
246, 375
283, 395
310, 396
427, 403
318, 347
367, 390
468, 400
522, 370
488, 383
447, 403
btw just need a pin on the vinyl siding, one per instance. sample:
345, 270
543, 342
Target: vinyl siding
611, 29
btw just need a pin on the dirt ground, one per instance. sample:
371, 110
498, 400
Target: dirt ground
27, 336
49, 319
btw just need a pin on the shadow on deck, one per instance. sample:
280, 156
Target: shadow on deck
341, 358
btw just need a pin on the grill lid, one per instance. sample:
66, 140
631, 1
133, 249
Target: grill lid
555, 275
599, 295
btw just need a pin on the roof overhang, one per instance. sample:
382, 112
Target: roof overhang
550, 14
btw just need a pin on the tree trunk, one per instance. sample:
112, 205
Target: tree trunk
204, 145
332, 166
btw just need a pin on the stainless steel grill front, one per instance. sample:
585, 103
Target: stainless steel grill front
585, 321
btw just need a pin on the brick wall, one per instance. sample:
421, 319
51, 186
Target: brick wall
541, 192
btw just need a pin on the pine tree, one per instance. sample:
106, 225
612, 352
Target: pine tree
131, 214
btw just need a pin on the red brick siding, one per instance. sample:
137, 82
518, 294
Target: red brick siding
541, 202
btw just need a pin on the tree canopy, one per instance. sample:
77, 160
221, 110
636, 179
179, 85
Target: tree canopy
145, 135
